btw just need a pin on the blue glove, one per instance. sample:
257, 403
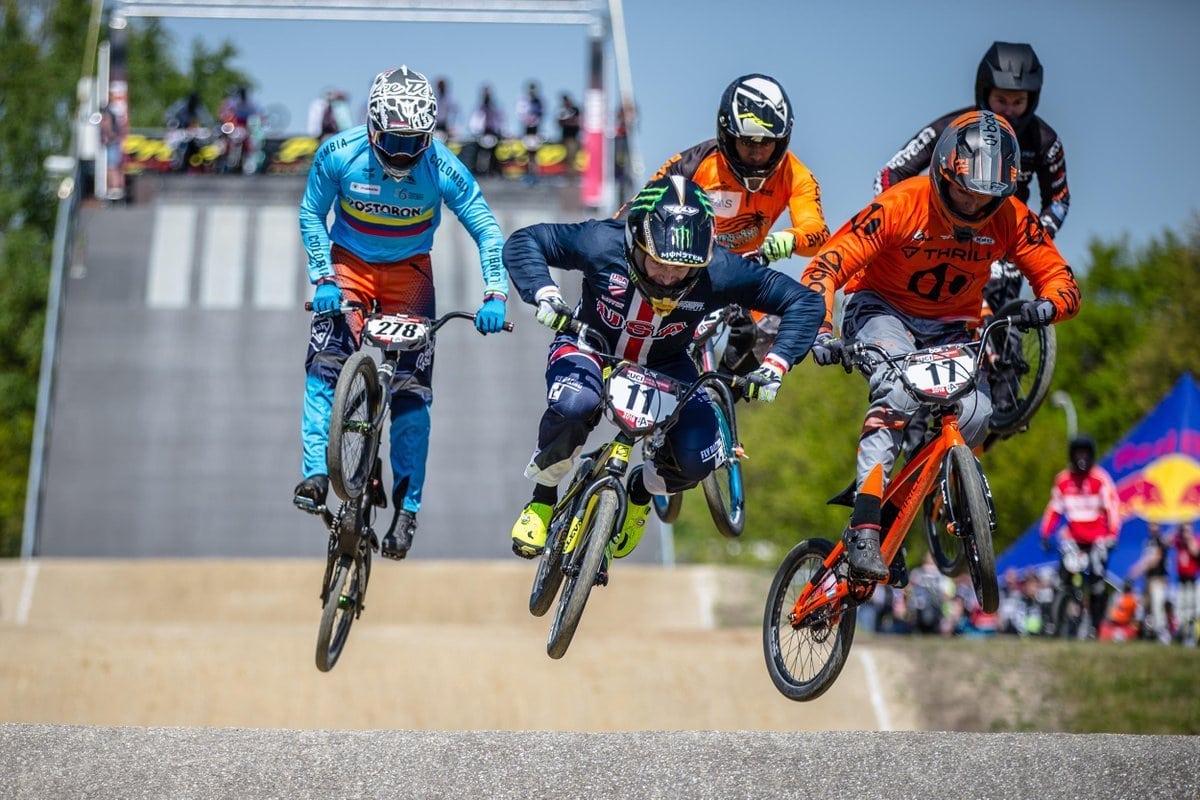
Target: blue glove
778, 245
490, 316
827, 350
1037, 313
327, 302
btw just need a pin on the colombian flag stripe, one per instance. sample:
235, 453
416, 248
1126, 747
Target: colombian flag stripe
387, 230
385, 226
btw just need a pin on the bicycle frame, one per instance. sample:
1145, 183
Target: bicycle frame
906, 491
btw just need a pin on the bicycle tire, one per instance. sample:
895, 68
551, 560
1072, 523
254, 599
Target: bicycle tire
667, 506
1034, 367
723, 487
598, 527
786, 648
946, 549
356, 399
972, 519
549, 575
339, 610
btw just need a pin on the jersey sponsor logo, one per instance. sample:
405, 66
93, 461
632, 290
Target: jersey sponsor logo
1035, 234
690, 305
364, 188
383, 209
910, 150
944, 280
617, 284
867, 222
725, 204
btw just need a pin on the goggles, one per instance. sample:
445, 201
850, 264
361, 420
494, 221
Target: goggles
394, 144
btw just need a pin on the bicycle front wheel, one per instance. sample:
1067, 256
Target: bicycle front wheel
723, 488
342, 601
599, 521
351, 426
549, 574
804, 659
946, 548
972, 519
1020, 372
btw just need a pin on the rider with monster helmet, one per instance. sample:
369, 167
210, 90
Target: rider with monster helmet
752, 178
385, 182
648, 280
914, 263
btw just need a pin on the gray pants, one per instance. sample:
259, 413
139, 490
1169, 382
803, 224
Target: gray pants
871, 319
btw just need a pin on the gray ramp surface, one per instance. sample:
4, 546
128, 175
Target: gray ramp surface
77, 762
175, 421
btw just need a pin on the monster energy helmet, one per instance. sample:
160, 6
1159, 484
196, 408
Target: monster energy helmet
670, 221
401, 112
754, 107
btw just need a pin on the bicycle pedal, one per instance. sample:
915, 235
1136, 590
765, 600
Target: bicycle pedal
306, 505
602, 578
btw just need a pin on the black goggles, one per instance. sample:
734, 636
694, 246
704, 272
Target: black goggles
400, 144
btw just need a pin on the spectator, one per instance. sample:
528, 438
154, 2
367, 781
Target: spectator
569, 121
487, 126
530, 110
329, 114
1121, 622
111, 136
446, 127
1187, 568
1153, 566
929, 596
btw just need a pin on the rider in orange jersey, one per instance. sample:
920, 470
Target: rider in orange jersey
752, 178
913, 264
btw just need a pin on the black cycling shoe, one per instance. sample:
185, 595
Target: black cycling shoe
310, 494
399, 539
862, 550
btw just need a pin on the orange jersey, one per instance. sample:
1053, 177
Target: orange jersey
745, 218
901, 248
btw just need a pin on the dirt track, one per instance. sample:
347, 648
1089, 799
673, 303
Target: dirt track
441, 646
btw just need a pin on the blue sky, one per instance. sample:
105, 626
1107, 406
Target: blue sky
1120, 83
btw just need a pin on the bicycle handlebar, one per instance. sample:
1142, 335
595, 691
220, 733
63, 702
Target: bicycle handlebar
352, 305
855, 355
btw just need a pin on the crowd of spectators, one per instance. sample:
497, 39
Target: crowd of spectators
1156, 601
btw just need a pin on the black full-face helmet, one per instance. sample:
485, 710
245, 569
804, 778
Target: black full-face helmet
401, 114
754, 107
1009, 66
670, 221
978, 152
1081, 453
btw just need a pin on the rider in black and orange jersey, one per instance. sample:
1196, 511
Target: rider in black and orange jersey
913, 264
751, 178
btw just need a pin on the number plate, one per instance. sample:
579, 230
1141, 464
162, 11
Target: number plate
940, 371
641, 398
398, 332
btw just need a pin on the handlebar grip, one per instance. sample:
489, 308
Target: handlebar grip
508, 326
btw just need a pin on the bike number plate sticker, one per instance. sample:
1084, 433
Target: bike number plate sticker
640, 398
398, 332
940, 373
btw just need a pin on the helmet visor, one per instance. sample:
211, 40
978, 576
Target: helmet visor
393, 143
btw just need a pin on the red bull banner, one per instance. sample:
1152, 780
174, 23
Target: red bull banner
1156, 468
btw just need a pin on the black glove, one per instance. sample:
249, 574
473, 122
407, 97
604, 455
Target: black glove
1037, 313
827, 350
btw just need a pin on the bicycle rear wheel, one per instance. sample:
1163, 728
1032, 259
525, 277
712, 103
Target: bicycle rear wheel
723, 488
805, 659
1020, 372
351, 432
946, 548
970, 514
666, 506
599, 520
342, 601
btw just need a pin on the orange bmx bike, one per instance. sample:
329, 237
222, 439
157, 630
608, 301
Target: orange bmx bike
808, 624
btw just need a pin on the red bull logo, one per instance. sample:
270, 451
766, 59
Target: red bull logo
1166, 491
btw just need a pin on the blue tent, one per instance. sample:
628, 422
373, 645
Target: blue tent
1156, 467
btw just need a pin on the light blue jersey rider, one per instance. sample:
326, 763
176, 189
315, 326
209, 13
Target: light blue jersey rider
385, 183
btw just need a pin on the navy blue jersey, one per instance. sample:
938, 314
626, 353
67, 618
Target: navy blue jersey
613, 306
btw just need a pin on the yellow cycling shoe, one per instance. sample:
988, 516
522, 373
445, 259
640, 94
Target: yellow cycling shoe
529, 532
631, 531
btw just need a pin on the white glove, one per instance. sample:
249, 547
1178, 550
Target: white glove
552, 310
